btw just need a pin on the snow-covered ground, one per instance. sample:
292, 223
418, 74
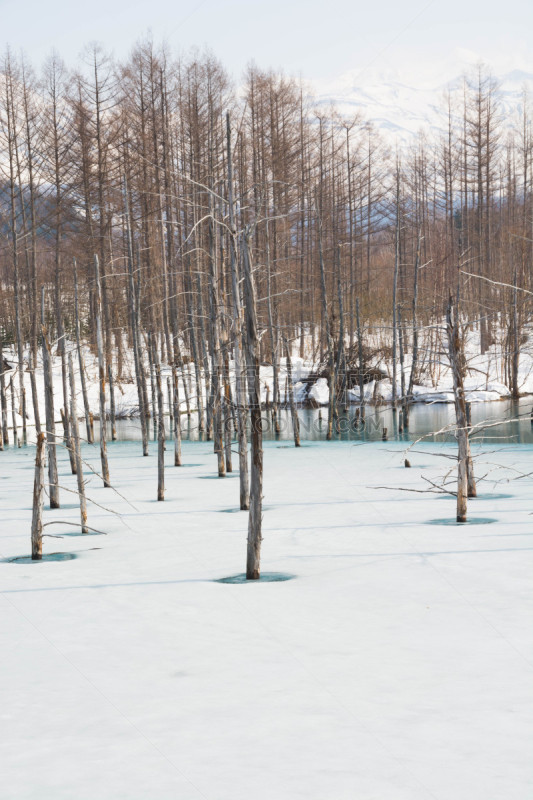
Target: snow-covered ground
395, 665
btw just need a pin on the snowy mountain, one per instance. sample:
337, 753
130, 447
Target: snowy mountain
400, 109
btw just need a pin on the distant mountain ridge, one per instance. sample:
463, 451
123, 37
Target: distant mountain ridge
400, 110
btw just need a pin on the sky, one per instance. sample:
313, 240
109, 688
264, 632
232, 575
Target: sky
421, 40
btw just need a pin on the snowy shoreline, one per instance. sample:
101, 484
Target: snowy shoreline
482, 385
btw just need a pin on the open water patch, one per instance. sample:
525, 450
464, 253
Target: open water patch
495, 496
469, 521
46, 557
266, 577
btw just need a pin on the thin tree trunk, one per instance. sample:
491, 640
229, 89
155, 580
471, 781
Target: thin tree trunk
239, 375
38, 501
395, 287
160, 424
13, 414
75, 428
329, 335
34, 393
3, 397
134, 323
101, 374
112, 412
456, 355
253, 559
360, 349
273, 340
414, 356
81, 362
177, 417
53, 479
294, 411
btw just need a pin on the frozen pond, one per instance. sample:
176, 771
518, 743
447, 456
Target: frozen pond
394, 664
382, 640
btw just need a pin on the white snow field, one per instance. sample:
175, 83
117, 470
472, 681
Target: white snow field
397, 664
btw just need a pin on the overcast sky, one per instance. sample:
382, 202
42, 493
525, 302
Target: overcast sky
317, 39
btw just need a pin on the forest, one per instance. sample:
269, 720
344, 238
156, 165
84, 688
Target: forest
162, 169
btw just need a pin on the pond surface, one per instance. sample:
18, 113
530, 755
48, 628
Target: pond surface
496, 422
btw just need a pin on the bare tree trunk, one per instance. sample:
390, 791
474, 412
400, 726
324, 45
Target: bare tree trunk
395, 287
169, 403
160, 423
53, 480
414, 355
13, 414
360, 350
273, 340
515, 355
67, 439
253, 559
81, 363
34, 393
134, 323
112, 412
3, 397
294, 411
215, 404
75, 428
227, 405
401, 346
456, 355
177, 418
239, 375
101, 373
329, 335
38, 501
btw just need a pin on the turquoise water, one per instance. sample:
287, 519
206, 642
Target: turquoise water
498, 422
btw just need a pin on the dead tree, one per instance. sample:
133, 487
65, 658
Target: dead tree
253, 559
457, 364
414, 356
360, 355
395, 288
294, 411
237, 342
101, 376
160, 423
13, 413
329, 334
38, 501
3, 396
75, 438
134, 323
81, 361
177, 417
53, 480
112, 412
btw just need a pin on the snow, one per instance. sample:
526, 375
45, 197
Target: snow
400, 106
319, 392
396, 665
